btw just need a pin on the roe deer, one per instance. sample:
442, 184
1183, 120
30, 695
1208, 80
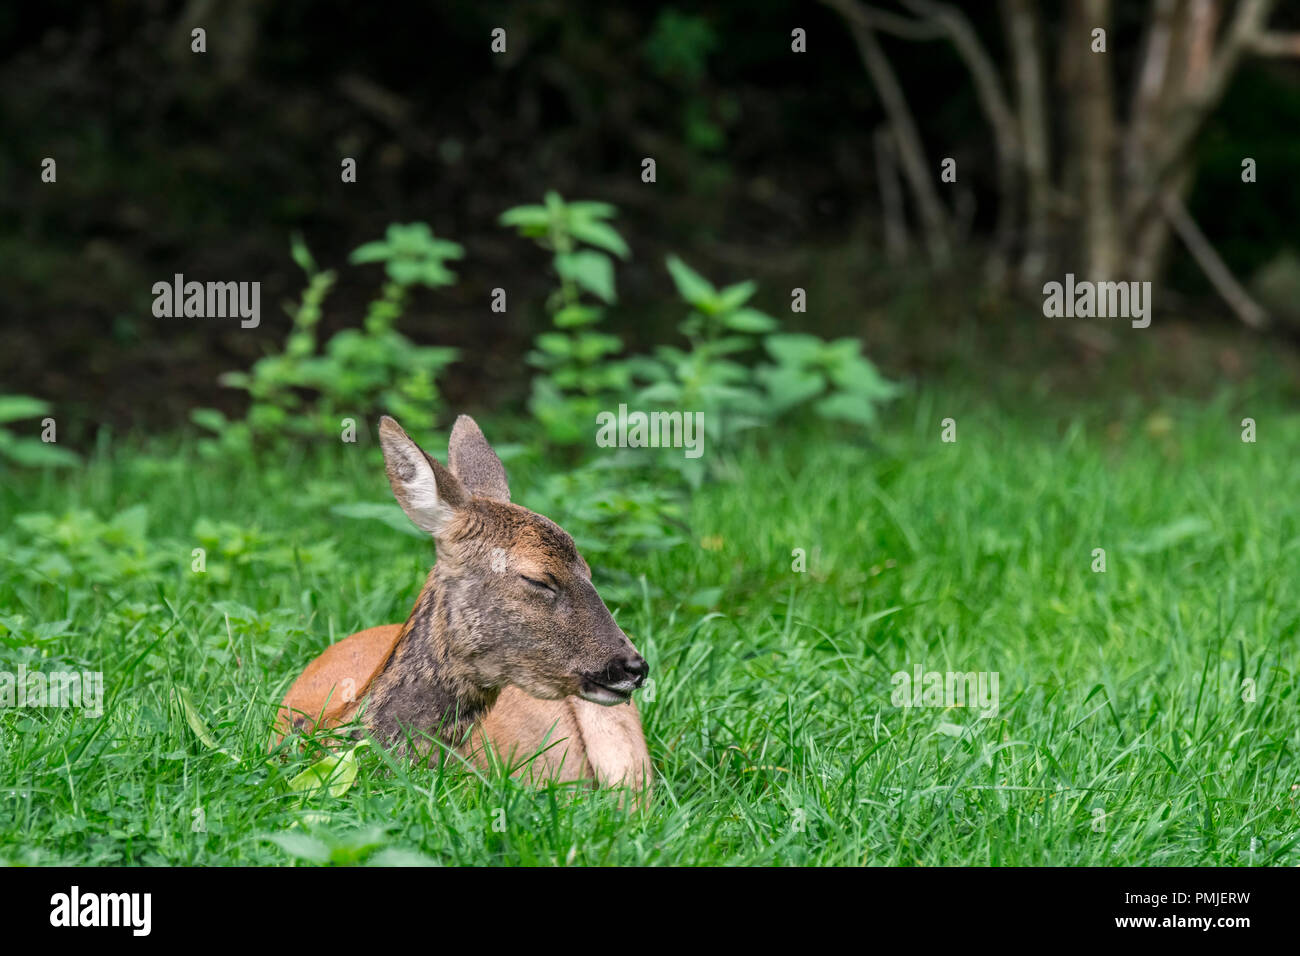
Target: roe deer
508, 642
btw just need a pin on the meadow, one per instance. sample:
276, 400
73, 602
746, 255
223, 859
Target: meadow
1146, 713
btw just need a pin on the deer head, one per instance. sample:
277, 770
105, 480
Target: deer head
518, 597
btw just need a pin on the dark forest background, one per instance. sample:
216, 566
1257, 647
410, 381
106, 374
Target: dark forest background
169, 161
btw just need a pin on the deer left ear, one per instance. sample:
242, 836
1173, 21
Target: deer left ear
428, 493
473, 461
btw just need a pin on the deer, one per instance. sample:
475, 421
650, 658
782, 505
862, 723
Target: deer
508, 650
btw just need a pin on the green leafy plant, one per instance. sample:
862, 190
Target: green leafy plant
412, 255
576, 374
720, 370
619, 514
306, 390
29, 451
65, 546
716, 375
707, 377
845, 383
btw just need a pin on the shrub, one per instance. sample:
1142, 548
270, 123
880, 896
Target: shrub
358, 370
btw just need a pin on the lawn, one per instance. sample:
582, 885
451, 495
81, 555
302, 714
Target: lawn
1146, 714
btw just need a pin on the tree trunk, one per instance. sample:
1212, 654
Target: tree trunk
1023, 34
1094, 140
1108, 206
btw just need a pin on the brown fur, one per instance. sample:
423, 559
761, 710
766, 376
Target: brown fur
484, 645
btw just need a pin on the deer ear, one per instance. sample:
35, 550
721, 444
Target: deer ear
473, 461
428, 493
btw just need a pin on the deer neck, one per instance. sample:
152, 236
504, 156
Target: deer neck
424, 691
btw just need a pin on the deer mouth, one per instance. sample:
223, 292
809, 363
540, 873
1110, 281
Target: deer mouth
606, 694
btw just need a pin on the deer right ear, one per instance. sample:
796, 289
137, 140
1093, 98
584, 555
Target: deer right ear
473, 461
428, 493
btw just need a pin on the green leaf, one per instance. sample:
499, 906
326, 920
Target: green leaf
666, 393
601, 235
209, 418
734, 296
371, 252
34, 453
555, 343
859, 376
349, 848
841, 350
789, 385
576, 315
525, 216
17, 407
182, 696
132, 522
793, 348
446, 249
749, 320
730, 344
593, 271
302, 847
691, 286
647, 368
846, 407
589, 209
591, 346
301, 254
409, 236
405, 271
337, 773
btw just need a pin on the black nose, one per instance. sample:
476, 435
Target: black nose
634, 668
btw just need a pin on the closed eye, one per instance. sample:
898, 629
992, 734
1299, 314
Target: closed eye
538, 584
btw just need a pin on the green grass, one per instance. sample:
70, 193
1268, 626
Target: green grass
772, 729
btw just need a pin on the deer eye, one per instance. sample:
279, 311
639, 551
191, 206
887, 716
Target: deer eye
542, 585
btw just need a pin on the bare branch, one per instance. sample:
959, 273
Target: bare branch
1204, 24
988, 85
1188, 116
993, 101
911, 153
1215, 269
1205, 94
885, 21
891, 198
936, 20
1246, 26
1147, 99
1276, 44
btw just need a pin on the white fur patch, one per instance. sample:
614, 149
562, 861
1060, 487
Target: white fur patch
422, 505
